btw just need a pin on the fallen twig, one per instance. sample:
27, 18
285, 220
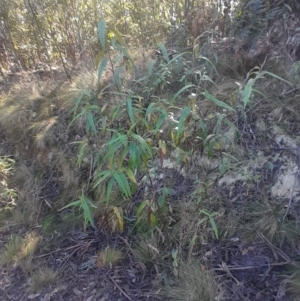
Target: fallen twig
116, 284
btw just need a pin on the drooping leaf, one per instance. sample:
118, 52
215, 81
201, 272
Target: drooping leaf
143, 143
72, 204
102, 176
217, 102
276, 76
180, 91
122, 182
141, 207
87, 215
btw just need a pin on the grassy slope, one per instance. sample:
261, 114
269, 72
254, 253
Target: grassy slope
172, 237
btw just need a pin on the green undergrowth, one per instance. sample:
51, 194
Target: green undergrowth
91, 158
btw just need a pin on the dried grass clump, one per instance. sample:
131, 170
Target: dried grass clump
108, 257
19, 248
194, 284
43, 277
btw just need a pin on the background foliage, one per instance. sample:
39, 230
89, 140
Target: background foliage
49, 31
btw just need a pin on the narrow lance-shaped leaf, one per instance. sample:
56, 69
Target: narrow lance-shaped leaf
180, 91
130, 175
102, 176
130, 110
214, 226
102, 33
217, 102
184, 114
164, 51
90, 122
122, 182
161, 119
110, 185
75, 204
77, 102
141, 207
102, 67
99, 57
247, 92
276, 76
153, 219
143, 143
125, 53
87, 214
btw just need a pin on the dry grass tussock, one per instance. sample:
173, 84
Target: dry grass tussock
37, 135
43, 277
19, 248
193, 283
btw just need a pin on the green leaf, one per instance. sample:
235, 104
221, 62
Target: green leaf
130, 175
130, 110
87, 215
150, 67
134, 156
102, 176
247, 92
102, 33
153, 220
143, 143
180, 91
122, 182
217, 102
110, 185
231, 125
125, 53
75, 203
214, 226
99, 57
87, 92
206, 59
276, 76
141, 208
77, 102
90, 123
184, 114
164, 51
89, 202
102, 67
161, 119
149, 109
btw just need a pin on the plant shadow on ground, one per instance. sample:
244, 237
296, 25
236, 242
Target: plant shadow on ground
129, 186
